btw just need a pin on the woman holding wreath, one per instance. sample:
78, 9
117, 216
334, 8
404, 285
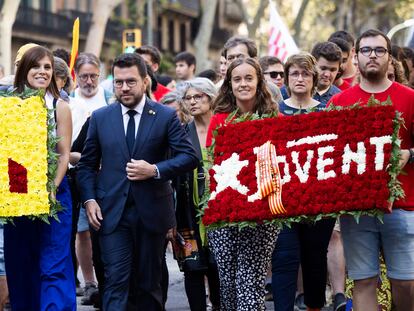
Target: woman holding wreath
37, 255
242, 255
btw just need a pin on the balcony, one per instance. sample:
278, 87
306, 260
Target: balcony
189, 8
60, 24
43, 22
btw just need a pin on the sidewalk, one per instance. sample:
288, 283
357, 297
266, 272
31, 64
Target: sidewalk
177, 300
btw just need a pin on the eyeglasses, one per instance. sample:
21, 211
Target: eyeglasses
306, 75
197, 98
120, 83
275, 74
84, 77
367, 50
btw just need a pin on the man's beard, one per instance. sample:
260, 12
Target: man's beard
374, 75
89, 90
136, 98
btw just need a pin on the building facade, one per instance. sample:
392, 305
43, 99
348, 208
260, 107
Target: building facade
175, 24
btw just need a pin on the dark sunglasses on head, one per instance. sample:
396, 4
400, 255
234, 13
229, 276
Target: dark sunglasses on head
274, 74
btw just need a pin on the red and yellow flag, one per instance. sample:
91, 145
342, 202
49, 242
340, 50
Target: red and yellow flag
75, 47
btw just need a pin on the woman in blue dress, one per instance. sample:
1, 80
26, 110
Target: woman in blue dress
38, 260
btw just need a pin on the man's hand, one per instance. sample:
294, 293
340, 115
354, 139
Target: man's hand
172, 236
4, 292
405, 156
94, 214
140, 170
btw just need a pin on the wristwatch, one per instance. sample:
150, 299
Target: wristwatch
411, 158
155, 171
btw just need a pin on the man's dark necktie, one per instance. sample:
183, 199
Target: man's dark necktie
130, 133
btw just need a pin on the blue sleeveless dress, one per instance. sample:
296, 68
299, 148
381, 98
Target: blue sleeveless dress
38, 259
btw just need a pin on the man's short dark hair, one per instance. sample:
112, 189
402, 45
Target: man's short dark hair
267, 61
373, 33
127, 60
408, 53
63, 54
186, 57
342, 44
237, 40
344, 35
151, 51
328, 50
209, 74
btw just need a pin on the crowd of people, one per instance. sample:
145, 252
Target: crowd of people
131, 178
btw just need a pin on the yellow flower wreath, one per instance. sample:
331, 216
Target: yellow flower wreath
23, 139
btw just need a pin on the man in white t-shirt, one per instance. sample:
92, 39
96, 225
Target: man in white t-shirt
89, 96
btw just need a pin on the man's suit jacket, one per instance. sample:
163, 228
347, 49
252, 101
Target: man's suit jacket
102, 167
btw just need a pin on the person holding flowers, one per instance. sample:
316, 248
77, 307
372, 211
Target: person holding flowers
242, 253
394, 234
304, 243
37, 254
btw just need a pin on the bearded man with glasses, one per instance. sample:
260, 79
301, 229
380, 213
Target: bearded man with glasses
395, 235
88, 97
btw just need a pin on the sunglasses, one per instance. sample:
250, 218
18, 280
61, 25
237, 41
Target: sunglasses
275, 74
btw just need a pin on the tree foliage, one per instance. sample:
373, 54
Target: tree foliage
312, 21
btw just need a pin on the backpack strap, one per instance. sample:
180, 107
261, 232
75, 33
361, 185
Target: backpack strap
54, 110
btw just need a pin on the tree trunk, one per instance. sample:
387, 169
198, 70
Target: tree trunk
7, 18
102, 10
298, 21
254, 25
202, 40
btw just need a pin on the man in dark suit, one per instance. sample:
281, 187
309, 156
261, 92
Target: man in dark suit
124, 175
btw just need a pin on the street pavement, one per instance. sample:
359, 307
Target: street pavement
177, 299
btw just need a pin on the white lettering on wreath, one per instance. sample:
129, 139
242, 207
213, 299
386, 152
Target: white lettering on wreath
324, 162
302, 172
379, 143
358, 157
226, 174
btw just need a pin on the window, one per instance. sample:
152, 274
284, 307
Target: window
171, 37
45, 5
183, 37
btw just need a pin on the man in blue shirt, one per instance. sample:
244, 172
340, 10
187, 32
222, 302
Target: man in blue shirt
328, 56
